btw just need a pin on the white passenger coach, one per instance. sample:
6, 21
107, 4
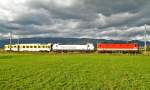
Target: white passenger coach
28, 47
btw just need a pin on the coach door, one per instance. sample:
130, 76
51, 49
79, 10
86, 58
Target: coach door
18, 48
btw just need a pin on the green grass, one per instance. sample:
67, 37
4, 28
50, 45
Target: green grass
74, 72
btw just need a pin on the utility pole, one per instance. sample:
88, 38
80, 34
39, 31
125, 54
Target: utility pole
145, 39
10, 40
18, 46
18, 41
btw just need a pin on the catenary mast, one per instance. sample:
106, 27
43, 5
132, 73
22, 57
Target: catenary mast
145, 39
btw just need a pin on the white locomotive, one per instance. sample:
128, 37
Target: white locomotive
86, 47
28, 47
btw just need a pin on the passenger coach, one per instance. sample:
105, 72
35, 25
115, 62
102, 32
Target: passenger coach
28, 47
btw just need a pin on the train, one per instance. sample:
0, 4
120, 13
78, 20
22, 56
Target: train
89, 47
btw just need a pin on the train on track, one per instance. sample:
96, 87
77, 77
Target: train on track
89, 47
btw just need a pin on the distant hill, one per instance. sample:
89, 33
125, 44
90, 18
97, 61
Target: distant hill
66, 41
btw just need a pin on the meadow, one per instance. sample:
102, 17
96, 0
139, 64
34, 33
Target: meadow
74, 71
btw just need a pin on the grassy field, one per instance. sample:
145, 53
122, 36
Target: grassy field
74, 72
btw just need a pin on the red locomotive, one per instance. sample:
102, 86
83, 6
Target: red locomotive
115, 47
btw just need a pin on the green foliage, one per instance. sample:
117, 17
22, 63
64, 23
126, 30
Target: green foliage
74, 72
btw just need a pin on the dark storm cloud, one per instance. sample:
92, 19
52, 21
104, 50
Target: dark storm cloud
76, 11
110, 19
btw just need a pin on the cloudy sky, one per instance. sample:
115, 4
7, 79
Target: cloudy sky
103, 19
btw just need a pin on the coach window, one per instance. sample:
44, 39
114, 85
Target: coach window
23, 46
35, 47
27, 46
43, 46
38, 46
14, 46
31, 46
